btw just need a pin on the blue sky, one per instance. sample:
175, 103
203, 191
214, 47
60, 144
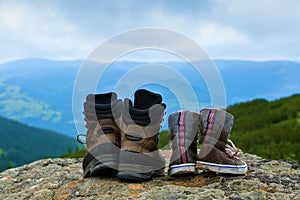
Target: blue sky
229, 29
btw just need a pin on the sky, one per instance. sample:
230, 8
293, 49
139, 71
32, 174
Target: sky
225, 29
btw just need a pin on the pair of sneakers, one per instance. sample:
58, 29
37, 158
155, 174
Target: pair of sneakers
215, 154
122, 136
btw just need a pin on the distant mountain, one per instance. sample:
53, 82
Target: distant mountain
248, 80
21, 144
38, 92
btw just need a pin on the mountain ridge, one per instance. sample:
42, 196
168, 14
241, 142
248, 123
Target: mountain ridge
21, 144
42, 88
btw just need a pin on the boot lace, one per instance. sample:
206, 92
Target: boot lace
231, 150
80, 139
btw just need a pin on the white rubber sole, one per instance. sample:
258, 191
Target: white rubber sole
219, 168
188, 168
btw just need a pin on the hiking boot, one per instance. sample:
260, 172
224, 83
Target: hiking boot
103, 134
140, 158
183, 127
215, 155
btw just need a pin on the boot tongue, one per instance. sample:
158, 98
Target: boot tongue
144, 99
147, 107
105, 98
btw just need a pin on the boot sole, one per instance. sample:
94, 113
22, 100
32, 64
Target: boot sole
104, 162
188, 168
221, 168
102, 165
134, 166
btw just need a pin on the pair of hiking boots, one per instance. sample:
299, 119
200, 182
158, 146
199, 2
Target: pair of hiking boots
122, 138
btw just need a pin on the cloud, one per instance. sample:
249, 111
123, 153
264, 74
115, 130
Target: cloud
227, 29
29, 30
213, 35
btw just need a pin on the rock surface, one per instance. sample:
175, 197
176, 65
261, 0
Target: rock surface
62, 179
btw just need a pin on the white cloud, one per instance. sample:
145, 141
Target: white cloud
213, 35
227, 29
31, 31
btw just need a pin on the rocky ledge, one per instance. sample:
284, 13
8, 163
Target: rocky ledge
62, 179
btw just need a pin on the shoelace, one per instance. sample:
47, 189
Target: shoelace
231, 150
79, 136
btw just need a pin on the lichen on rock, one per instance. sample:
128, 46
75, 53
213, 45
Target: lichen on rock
62, 179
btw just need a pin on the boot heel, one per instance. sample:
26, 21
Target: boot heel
183, 126
136, 166
188, 168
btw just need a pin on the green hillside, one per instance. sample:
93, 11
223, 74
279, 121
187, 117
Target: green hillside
21, 144
268, 129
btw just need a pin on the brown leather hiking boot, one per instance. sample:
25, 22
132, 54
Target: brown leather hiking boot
183, 127
103, 134
215, 155
140, 158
